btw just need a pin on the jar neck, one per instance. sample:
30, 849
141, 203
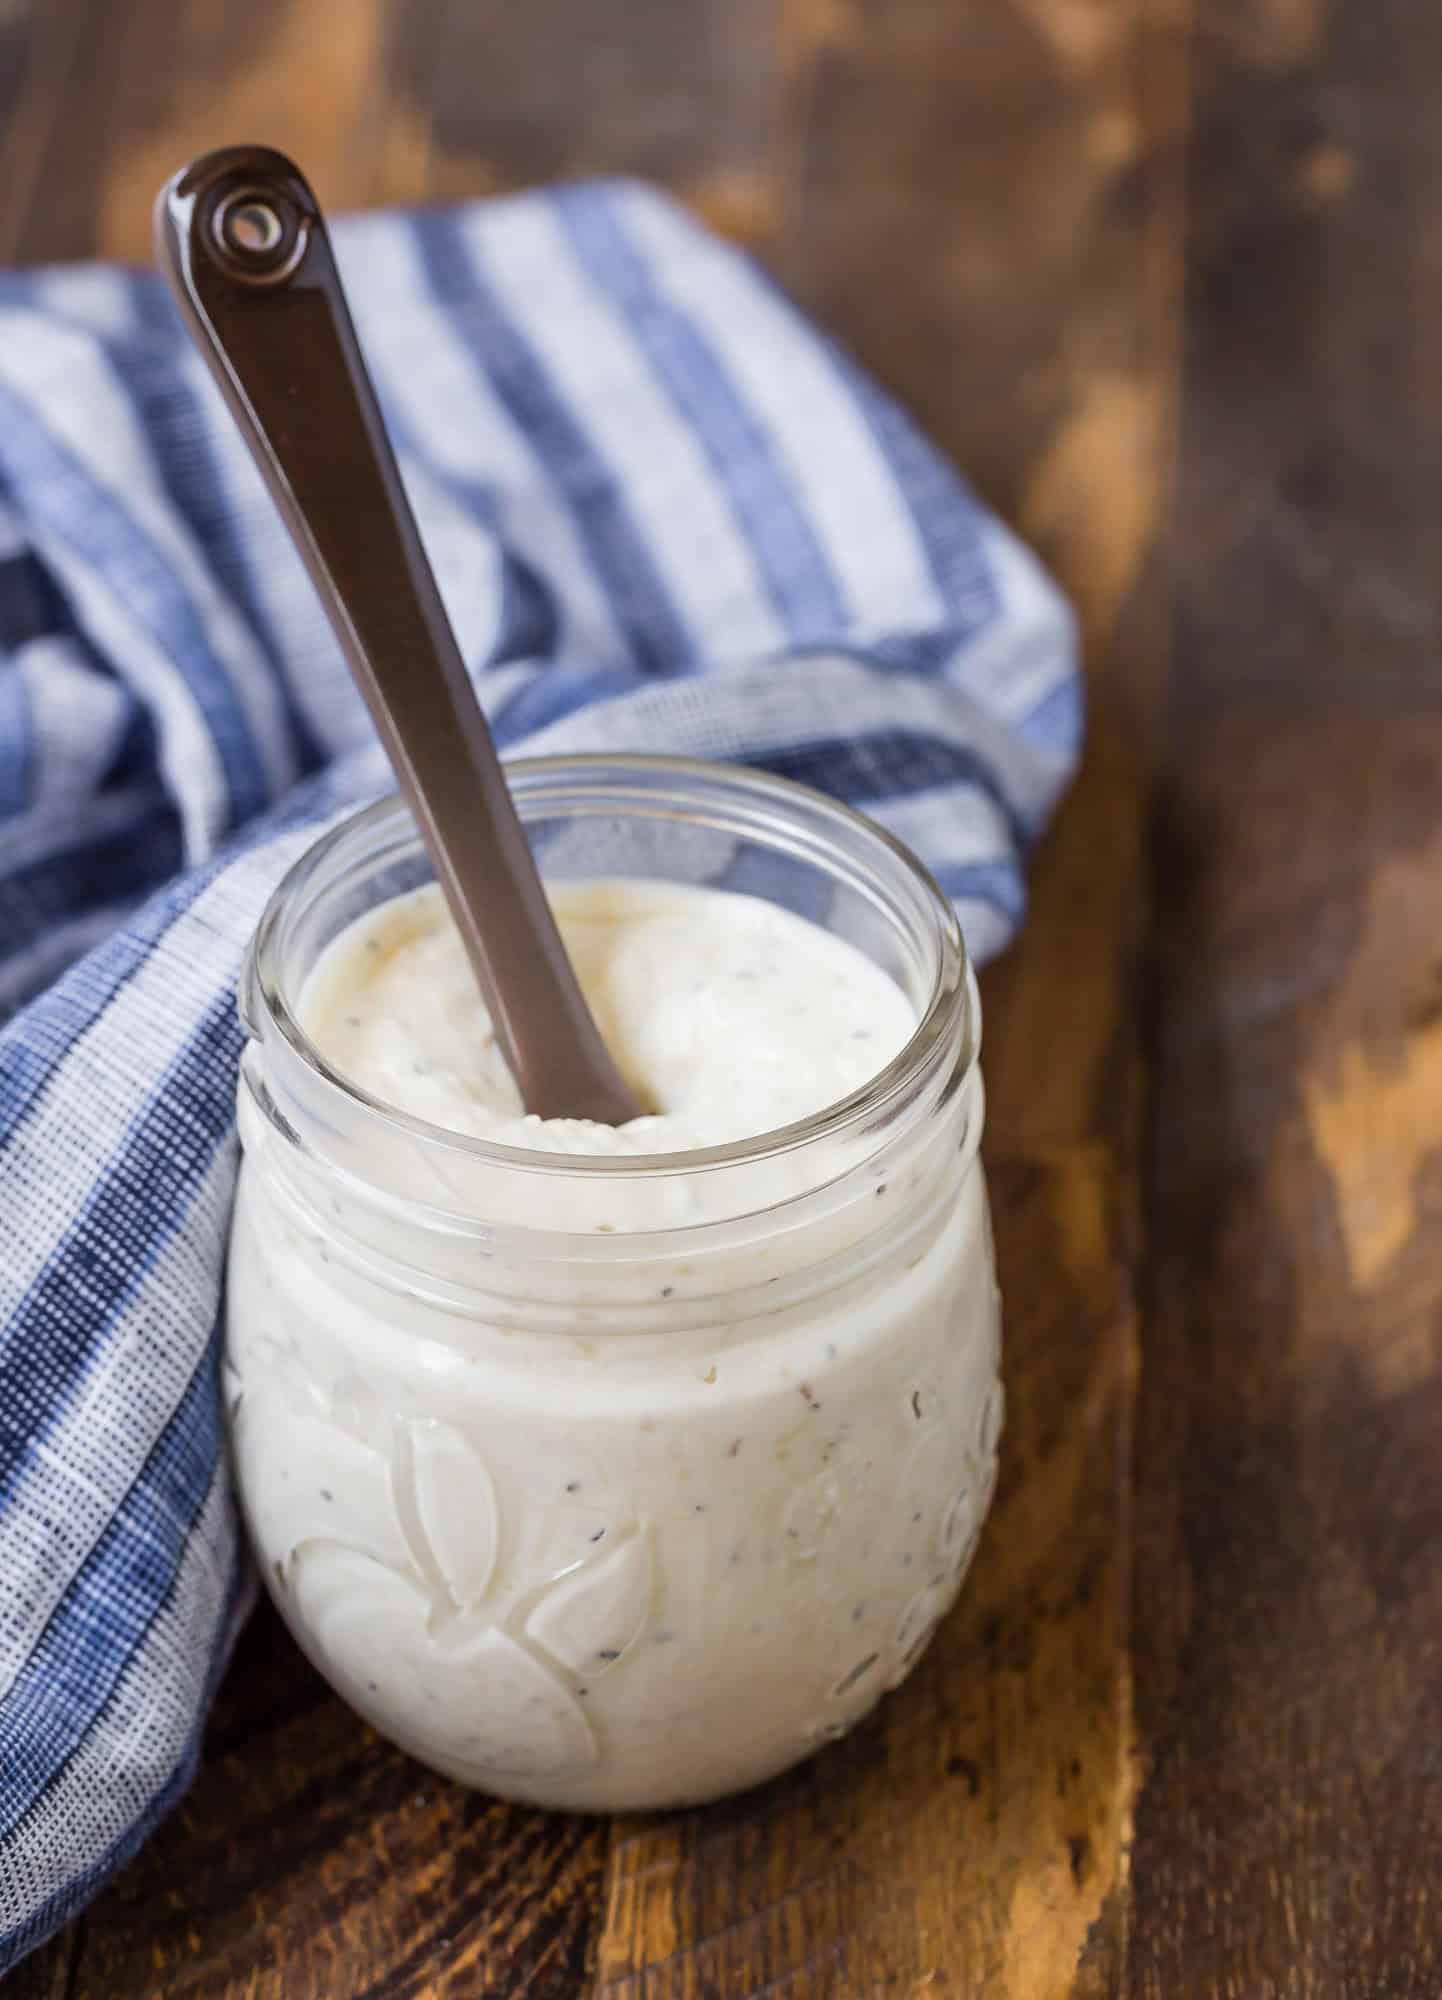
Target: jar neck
843, 1216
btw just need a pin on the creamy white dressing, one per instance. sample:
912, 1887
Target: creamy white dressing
727, 1014
639, 1531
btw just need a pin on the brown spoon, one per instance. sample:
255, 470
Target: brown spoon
241, 238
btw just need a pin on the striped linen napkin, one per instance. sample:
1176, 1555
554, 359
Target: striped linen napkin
666, 514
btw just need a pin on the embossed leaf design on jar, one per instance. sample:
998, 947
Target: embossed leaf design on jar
305, 1478
989, 1428
961, 1528
590, 1619
448, 1506
918, 1621
468, 1697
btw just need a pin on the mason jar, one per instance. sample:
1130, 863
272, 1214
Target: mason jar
625, 1481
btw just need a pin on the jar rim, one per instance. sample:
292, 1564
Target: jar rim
950, 1014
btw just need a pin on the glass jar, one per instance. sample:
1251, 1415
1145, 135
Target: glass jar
618, 1482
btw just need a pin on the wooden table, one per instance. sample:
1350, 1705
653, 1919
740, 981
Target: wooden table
1164, 275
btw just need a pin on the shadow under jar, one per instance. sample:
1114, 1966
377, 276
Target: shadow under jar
625, 1481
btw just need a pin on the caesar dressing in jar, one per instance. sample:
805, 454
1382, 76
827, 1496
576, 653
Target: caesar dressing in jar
611, 1469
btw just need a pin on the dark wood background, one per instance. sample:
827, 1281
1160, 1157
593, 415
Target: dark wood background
1165, 276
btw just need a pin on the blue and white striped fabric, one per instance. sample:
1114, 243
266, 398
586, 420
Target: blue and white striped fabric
665, 514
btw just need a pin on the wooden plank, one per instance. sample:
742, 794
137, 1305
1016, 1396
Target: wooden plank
1289, 1603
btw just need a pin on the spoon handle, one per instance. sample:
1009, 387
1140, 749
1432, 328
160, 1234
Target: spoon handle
242, 240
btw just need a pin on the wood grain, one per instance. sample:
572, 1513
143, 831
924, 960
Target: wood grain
1289, 1632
